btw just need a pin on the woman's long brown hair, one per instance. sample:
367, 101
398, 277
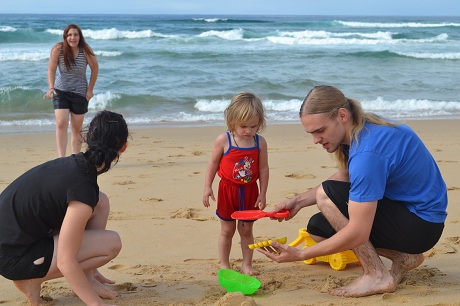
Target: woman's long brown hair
66, 50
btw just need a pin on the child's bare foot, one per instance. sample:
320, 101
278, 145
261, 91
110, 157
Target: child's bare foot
225, 265
249, 270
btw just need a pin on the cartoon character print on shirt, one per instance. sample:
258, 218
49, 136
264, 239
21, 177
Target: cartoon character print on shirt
242, 170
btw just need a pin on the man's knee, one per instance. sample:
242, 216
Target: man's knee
322, 198
319, 226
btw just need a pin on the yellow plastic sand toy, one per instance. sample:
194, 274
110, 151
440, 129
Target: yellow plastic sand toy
337, 261
267, 243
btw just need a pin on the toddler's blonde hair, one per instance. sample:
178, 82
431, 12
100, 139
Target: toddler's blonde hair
243, 107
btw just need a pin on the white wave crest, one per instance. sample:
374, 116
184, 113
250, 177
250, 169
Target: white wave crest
357, 24
22, 55
403, 108
210, 20
212, 106
218, 106
102, 100
235, 34
283, 106
325, 38
108, 53
113, 33
7, 29
447, 56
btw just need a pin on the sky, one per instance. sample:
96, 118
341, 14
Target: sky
239, 7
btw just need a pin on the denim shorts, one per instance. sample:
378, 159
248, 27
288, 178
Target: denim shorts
68, 100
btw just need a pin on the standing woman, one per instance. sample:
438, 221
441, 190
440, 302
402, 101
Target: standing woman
70, 91
53, 218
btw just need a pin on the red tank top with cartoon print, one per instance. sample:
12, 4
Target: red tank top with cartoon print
240, 166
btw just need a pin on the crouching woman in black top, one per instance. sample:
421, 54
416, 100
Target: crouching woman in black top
53, 218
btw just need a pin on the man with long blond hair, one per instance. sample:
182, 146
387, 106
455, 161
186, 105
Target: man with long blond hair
387, 198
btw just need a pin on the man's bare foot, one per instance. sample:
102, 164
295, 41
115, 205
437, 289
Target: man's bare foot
31, 289
404, 263
249, 270
366, 285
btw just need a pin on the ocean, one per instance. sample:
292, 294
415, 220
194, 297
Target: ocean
182, 70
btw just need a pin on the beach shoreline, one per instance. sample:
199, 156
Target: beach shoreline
169, 254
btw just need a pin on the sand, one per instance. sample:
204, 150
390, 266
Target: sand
169, 254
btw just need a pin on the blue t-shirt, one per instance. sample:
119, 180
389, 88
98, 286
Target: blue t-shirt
393, 162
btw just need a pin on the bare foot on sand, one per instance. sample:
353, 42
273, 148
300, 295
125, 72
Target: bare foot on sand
225, 266
103, 291
367, 285
403, 264
101, 278
31, 289
249, 270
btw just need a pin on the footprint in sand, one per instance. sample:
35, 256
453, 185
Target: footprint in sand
141, 269
446, 161
119, 267
300, 176
454, 240
422, 276
236, 299
189, 213
148, 283
331, 283
206, 260
271, 285
151, 200
125, 288
124, 183
445, 247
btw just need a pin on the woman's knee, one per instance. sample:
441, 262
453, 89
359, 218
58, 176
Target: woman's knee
116, 243
62, 125
103, 204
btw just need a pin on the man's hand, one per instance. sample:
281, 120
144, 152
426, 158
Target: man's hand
281, 252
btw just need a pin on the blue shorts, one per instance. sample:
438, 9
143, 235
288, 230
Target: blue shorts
23, 267
68, 100
394, 228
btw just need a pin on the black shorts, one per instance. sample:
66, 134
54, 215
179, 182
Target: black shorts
394, 227
23, 267
68, 100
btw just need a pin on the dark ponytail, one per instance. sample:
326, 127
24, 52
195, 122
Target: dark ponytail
105, 137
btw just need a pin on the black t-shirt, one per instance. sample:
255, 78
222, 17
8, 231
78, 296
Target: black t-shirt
33, 206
